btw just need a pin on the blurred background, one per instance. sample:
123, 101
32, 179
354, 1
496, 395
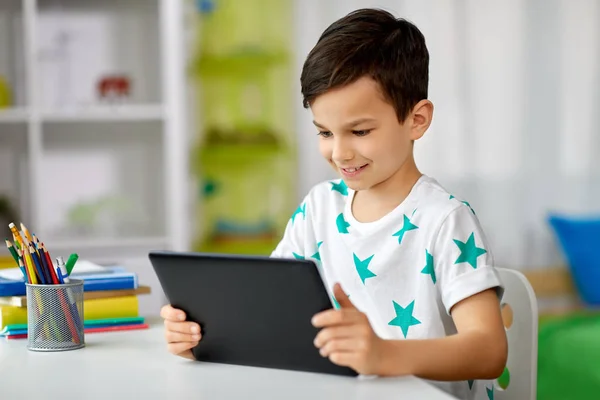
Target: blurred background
132, 125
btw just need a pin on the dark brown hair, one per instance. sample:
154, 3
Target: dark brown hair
373, 43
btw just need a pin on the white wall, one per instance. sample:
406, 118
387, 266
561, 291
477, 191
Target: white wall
515, 86
309, 22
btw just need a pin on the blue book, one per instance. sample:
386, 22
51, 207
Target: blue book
114, 278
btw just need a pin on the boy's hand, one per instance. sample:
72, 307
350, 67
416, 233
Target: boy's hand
347, 337
181, 335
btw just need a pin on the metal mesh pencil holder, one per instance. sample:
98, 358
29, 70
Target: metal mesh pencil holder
55, 316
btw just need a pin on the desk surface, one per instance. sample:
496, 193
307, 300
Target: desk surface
136, 363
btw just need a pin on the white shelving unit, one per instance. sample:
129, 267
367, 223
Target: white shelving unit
105, 178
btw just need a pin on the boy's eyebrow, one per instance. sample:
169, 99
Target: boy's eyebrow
318, 125
350, 124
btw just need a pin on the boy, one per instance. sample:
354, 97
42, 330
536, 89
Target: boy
407, 262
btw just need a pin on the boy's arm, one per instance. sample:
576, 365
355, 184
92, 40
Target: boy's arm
469, 289
477, 351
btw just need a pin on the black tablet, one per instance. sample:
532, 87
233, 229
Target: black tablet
253, 310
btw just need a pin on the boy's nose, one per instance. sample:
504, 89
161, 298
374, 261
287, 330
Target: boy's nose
342, 151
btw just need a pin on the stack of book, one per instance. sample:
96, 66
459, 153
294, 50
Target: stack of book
110, 299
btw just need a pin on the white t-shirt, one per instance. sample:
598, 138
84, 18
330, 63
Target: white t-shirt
406, 270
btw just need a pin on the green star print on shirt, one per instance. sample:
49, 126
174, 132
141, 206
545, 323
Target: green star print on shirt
406, 226
362, 267
340, 187
429, 269
466, 203
404, 318
300, 210
298, 256
490, 393
469, 251
341, 224
335, 302
317, 255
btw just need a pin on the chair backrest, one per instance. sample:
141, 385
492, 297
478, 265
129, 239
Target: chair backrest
520, 316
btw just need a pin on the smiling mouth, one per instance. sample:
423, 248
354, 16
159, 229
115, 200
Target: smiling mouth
352, 170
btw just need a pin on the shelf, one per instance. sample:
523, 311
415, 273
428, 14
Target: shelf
13, 115
84, 43
148, 242
93, 134
108, 113
116, 189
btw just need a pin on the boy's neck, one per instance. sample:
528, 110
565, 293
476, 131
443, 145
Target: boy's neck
374, 203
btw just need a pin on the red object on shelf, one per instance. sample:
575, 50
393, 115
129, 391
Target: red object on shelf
114, 87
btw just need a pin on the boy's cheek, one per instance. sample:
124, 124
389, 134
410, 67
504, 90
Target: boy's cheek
325, 150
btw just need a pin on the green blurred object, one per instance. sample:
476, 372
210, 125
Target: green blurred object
250, 61
245, 156
8, 214
5, 94
504, 379
569, 355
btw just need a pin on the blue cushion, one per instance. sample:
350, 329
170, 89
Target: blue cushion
579, 238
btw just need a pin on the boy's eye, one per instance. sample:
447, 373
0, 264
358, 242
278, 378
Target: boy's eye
363, 132
325, 134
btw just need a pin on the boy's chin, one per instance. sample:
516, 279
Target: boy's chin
357, 185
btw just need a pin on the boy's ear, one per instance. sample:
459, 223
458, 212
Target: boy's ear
420, 118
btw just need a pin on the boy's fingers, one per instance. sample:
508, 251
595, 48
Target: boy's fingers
183, 327
335, 317
342, 297
178, 337
343, 358
182, 349
336, 332
338, 345
172, 314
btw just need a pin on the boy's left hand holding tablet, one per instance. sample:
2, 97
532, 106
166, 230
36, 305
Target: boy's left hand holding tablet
181, 335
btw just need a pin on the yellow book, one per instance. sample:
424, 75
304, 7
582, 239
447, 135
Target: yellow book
21, 301
10, 315
112, 307
7, 261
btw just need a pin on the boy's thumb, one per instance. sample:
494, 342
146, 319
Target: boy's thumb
341, 297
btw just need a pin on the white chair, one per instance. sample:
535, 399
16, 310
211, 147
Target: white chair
520, 315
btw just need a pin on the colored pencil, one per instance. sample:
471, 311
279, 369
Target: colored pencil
48, 266
35, 279
71, 262
38, 264
26, 233
12, 250
24, 270
16, 235
48, 259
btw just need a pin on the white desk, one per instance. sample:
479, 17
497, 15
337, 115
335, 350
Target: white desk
127, 365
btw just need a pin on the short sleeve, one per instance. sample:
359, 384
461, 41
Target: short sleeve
463, 260
292, 242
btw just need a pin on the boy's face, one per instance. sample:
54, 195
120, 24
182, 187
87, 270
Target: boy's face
361, 137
